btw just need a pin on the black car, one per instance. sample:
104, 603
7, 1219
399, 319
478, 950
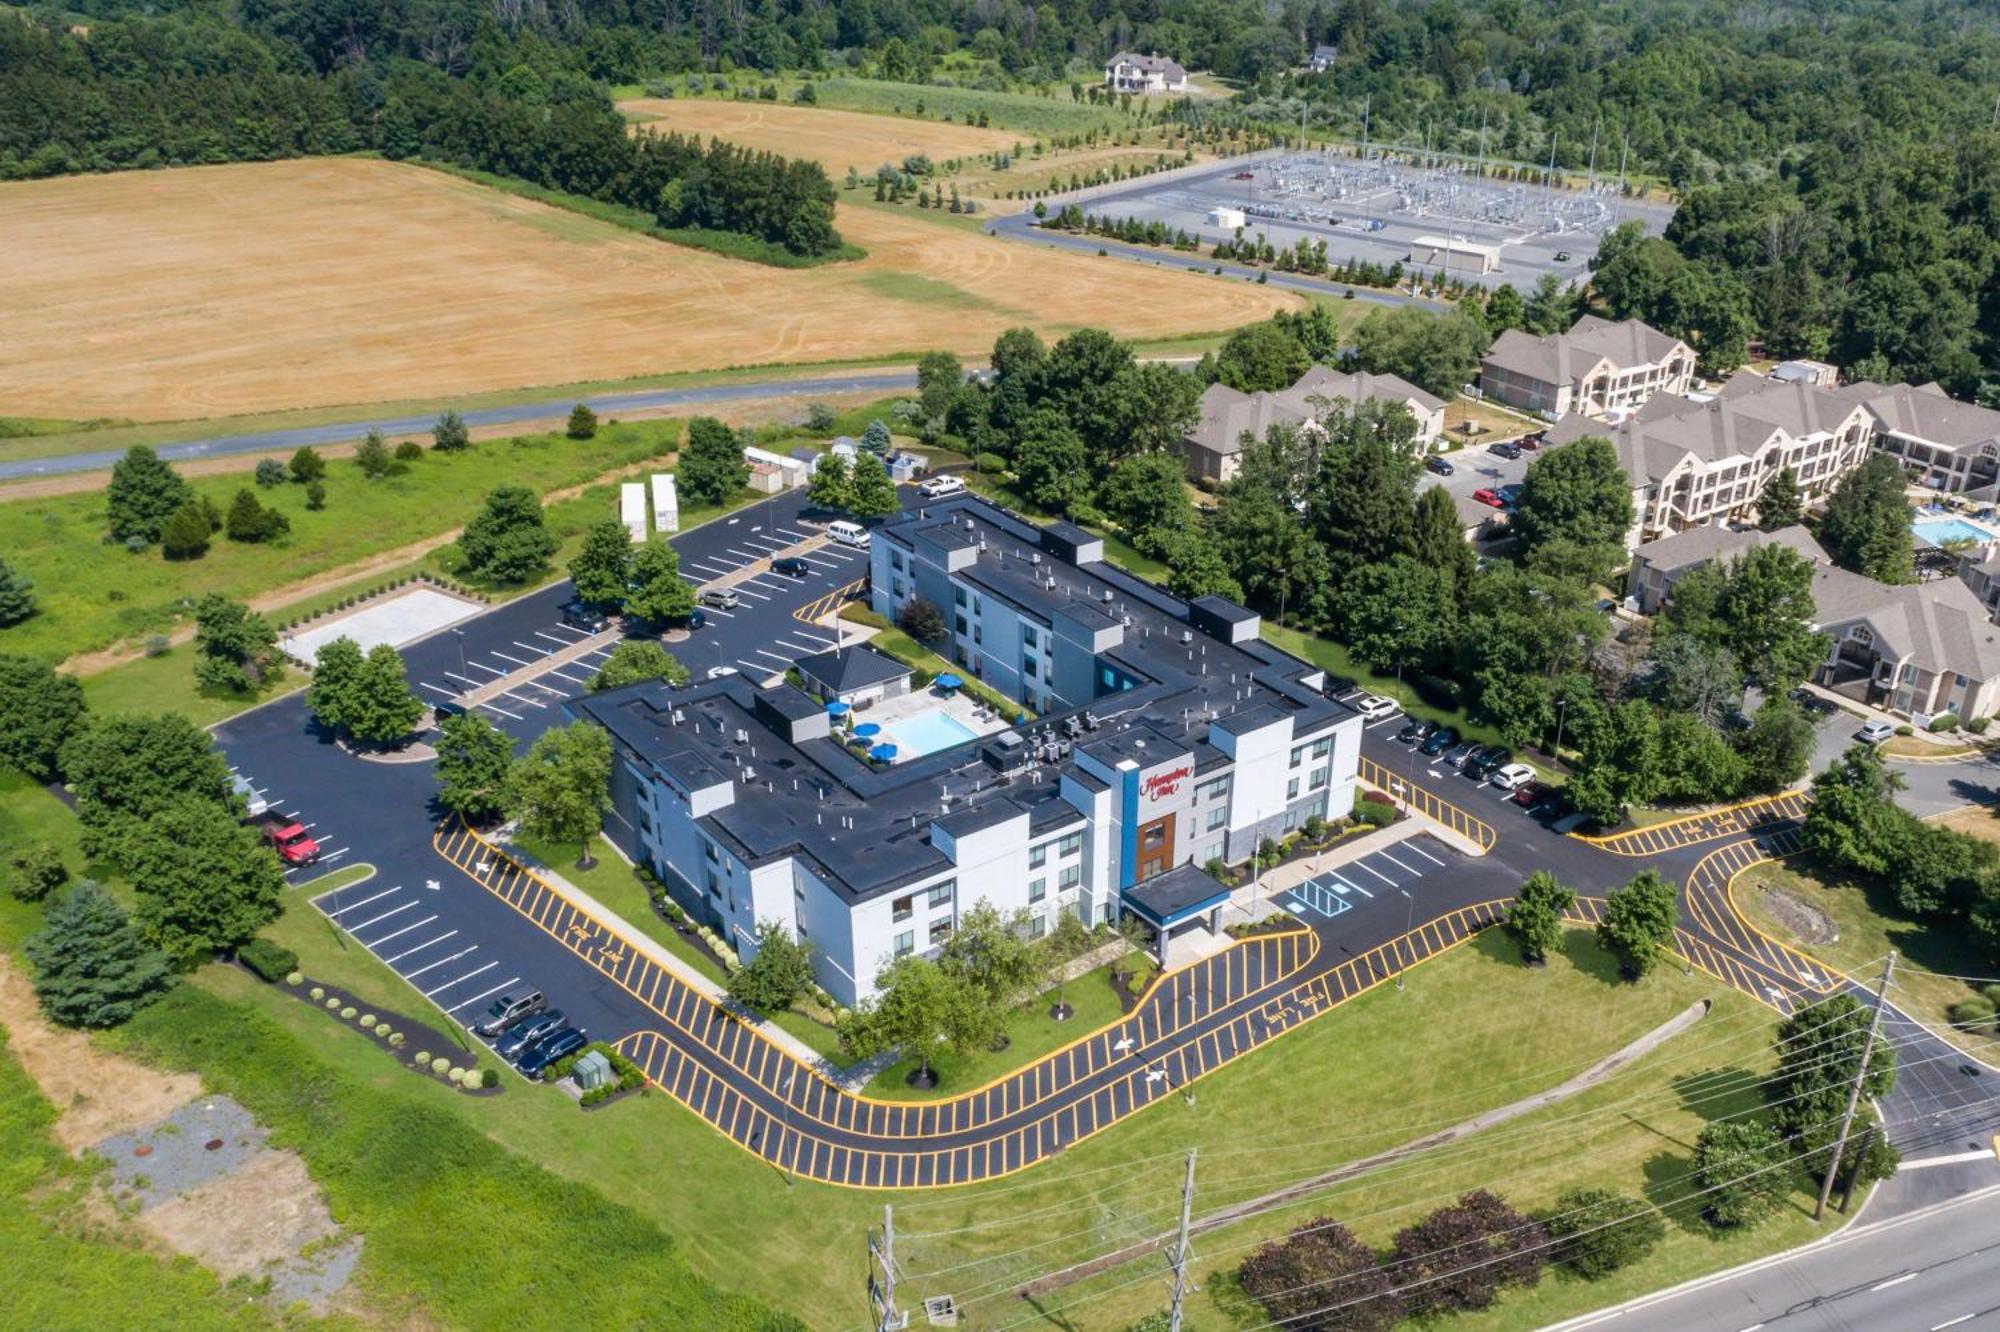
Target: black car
791, 566
1813, 705
1416, 731
1488, 761
565, 1041
526, 1032
582, 615
447, 707
1505, 450
1441, 740
1550, 807
1438, 465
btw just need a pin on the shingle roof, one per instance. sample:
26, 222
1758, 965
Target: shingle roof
1940, 625
1228, 414
1698, 545
1149, 63
851, 668
1926, 412
1562, 358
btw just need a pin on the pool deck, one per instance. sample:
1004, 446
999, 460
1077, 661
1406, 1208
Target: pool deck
962, 709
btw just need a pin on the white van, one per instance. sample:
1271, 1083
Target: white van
940, 486
847, 534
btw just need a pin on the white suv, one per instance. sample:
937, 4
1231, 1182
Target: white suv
1375, 707
1513, 775
940, 486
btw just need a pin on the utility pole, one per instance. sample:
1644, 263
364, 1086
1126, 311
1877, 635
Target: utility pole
882, 1293
1181, 1251
1854, 1091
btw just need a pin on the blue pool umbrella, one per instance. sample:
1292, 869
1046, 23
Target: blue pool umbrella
949, 681
837, 708
882, 753
866, 729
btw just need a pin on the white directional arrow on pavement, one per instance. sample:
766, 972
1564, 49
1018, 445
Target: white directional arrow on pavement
1125, 1044
433, 885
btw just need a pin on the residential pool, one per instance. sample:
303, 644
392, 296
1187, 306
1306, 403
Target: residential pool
927, 733
1939, 531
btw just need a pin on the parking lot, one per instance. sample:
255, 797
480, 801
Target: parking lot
1389, 879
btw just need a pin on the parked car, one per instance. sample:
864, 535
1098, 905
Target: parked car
1509, 494
1374, 707
582, 615
1527, 793
718, 598
1813, 705
1442, 739
563, 1041
447, 707
1483, 495
1510, 775
1875, 732
1529, 443
693, 620
1505, 450
254, 804
1438, 465
508, 1009
1462, 753
847, 534
526, 1032
1552, 805
940, 486
1416, 730
294, 845
1562, 256
791, 566
1488, 761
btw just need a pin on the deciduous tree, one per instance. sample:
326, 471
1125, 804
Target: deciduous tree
1536, 915
474, 758
711, 467
336, 669
43, 709
380, 707
659, 594
916, 1009
1460, 1257
1778, 503
870, 492
205, 882
827, 486
1321, 1278
449, 434
778, 975
1597, 1231
1866, 527
371, 455
1261, 357
1638, 923
560, 789
638, 659
602, 569
1742, 1170
582, 422
1576, 493
307, 465
236, 648
126, 768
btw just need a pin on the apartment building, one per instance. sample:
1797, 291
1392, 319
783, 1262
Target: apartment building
1598, 366
1228, 416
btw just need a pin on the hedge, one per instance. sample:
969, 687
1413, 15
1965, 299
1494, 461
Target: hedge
271, 961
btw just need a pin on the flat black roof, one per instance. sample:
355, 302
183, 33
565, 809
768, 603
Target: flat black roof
1170, 898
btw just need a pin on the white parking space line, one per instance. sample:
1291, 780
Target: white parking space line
355, 930
1385, 721
516, 660
482, 666
443, 961
428, 943
477, 997
595, 654
774, 656
460, 980
463, 679
377, 943
756, 667
510, 716
714, 567
1377, 873
747, 556
328, 857
551, 691
710, 610
511, 696
754, 596
559, 642
573, 679
1425, 854
336, 915
796, 647
571, 629
788, 532
773, 587
765, 543
535, 648
1399, 864
818, 563
1355, 886
436, 689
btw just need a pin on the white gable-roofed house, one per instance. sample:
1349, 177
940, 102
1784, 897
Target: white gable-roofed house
1155, 73
1597, 367
1226, 416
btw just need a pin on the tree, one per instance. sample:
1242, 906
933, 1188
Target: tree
17, 595
252, 522
142, 495
876, 438
371, 455
336, 669
1261, 357
1439, 353
1820, 1049
1321, 1278
380, 707
1199, 569
1683, 673
449, 434
921, 620
43, 711
1766, 613
1459, 1257
1052, 461
602, 569
506, 541
307, 465
1866, 527
236, 647
127, 768
205, 881
1577, 493
315, 496
871, 494
1536, 915
917, 1009
1638, 923
659, 594
1742, 1171
1618, 757
992, 954
1778, 747
827, 486
1778, 503
1504, 309
711, 466
938, 378
91, 967
561, 788
1147, 494
33, 871
1853, 819
1398, 613
1437, 541
474, 758
638, 659
1362, 500
778, 975
1551, 307
1693, 762
582, 422
1597, 1231
185, 537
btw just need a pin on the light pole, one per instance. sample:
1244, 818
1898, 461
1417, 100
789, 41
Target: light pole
459, 634
1409, 919
1562, 715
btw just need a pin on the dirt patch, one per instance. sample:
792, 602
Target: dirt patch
1801, 919
216, 291
96, 1094
1977, 821
266, 1219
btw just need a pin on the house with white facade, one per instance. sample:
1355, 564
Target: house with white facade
1598, 366
1155, 73
1228, 416
1168, 734
1949, 444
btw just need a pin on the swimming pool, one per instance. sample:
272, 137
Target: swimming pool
1938, 531
927, 733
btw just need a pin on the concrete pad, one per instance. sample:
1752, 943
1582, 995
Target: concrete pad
396, 620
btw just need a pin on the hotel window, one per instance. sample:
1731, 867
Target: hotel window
1218, 816
1321, 748
957, 596
940, 931
1028, 637
1216, 789
941, 892
1292, 789
1038, 856
1318, 778
1072, 875
901, 908
1070, 845
1298, 756
906, 943
1155, 837
1037, 889
958, 621
1037, 927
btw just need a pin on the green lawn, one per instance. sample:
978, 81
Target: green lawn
1870, 924
1030, 113
94, 593
1031, 1033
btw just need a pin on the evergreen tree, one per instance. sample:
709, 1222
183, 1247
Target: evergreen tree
252, 522
582, 422
142, 496
185, 537
270, 472
1867, 523
876, 438
1778, 503
17, 595
449, 434
91, 967
372, 456
602, 569
1437, 541
307, 466
711, 467
473, 762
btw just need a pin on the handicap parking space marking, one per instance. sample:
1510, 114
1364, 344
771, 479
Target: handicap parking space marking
1315, 896
428, 943
338, 912
376, 943
460, 980
484, 994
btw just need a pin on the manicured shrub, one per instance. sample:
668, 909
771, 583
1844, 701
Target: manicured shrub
1906, 729
456, 1074
440, 1065
1974, 1014
347, 1013
317, 993
489, 1077
397, 1040
1944, 721
423, 1057
294, 977
333, 1003
367, 1022
1374, 813
1596, 1231
270, 961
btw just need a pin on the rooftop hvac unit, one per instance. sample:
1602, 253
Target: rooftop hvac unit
679, 716
1035, 557
1187, 635
1108, 595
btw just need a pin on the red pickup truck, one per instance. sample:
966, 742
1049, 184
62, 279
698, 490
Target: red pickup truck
294, 845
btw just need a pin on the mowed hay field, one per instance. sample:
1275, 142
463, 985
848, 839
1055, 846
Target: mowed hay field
836, 140
215, 291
